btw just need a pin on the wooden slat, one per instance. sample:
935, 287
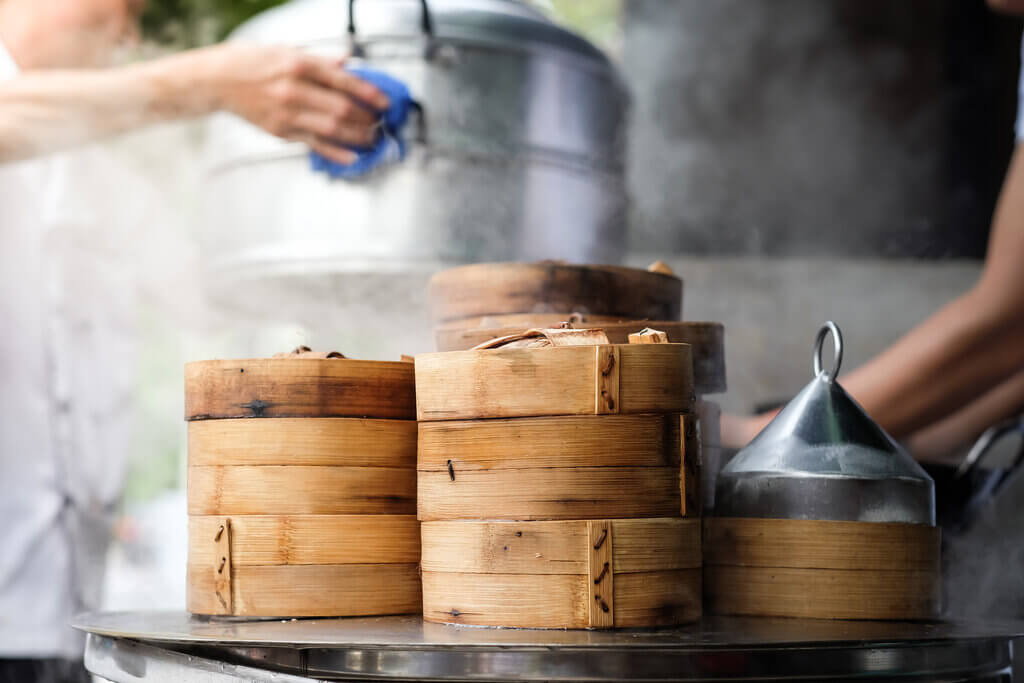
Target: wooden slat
299, 387
300, 490
601, 575
560, 441
502, 288
309, 539
557, 547
689, 475
822, 593
347, 442
559, 600
561, 493
658, 598
312, 590
707, 339
606, 380
218, 542
653, 378
801, 543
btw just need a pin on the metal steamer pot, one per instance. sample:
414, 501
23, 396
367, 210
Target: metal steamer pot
519, 154
824, 458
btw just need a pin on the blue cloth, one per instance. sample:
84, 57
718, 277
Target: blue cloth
390, 146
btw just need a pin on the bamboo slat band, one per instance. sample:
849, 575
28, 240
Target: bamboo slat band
300, 490
219, 540
316, 590
545, 494
299, 387
558, 547
559, 600
601, 575
495, 383
259, 540
339, 441
817, 544
558, 441
822, 593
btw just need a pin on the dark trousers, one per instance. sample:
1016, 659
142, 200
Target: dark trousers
43, 671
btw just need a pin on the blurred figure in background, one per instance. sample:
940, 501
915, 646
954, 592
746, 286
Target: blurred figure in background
66, 350
961, 370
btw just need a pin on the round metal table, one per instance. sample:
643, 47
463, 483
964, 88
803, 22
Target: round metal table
173, 646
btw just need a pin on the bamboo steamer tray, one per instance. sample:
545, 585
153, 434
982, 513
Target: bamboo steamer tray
308, 511
495, 289
562, 574
563, 467
821, 569
558, 380
706, 339
299, 386
303, 565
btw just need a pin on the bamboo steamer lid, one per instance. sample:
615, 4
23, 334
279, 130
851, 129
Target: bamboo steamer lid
566, 467
706, 339
302, 384
823, 515
495, 289
562, 574
574, 376
823, 457
301, 513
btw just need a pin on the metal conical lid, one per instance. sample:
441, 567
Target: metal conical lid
822, 457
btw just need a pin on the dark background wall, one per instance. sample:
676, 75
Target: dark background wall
855, 128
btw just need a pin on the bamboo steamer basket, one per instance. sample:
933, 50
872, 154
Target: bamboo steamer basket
565, 467
293, 511
553, 496
823, 515
706, 340
579, 378
562, 574
485, 290
822, 568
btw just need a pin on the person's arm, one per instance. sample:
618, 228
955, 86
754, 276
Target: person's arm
964, 351
288, 93
949, 439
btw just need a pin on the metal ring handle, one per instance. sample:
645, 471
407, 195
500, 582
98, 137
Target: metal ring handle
837, 343
426, 20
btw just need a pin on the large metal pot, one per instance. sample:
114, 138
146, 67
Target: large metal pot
522, 158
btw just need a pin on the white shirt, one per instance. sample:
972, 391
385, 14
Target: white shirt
66, 363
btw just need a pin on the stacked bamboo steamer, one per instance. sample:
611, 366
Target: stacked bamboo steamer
823, 515
301, 487
473, 304
552, 483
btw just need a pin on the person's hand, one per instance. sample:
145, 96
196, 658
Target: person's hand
296, 96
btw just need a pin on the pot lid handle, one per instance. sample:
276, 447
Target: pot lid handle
837, 344
426, 24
